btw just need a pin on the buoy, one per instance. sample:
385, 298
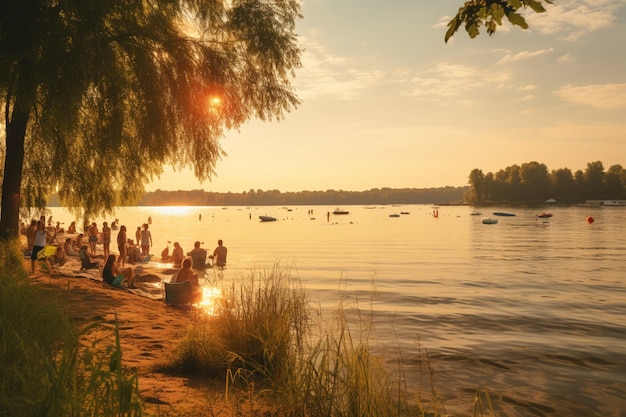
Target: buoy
590, 219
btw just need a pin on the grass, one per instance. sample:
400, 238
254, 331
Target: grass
262, 341
46, 366
275, 361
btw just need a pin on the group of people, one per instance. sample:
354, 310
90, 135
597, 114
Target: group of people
113, 270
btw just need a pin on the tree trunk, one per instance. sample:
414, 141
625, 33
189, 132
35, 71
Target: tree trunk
12, 182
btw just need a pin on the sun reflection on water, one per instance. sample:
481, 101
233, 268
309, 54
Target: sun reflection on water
210, 299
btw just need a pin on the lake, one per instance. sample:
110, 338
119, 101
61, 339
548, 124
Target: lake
533, 310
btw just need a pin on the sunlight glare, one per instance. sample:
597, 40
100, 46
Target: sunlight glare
210, 299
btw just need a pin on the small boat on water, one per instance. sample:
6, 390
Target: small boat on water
501, 213
544, 215
475, 213
404, 212
489, 220
339, 211
394, 215
267, 218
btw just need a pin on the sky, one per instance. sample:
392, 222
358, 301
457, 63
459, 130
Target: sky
387, 103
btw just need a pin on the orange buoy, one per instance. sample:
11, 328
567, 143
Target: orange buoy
590, 219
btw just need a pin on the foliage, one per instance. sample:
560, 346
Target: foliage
329, 197
99, 95
46, 371
490, 13
531, 183
11, 259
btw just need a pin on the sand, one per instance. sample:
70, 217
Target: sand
149, 333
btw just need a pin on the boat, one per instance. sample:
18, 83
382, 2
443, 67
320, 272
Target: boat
501, 213
394, 215
267, 218
474, 213
404, 212
339, 211
544, 215
489, 220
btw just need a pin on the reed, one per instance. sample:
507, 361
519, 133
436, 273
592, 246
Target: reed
276, 361
46, 366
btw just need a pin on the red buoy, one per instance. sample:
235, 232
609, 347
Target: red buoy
590, 219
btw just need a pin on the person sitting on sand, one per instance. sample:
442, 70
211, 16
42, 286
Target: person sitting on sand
219, 254
112, 275
60, 257
78, 243
185, 273
72, 228
68, 249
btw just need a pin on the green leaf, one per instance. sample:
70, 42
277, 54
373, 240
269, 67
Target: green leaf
536, 5
472, 29
517, 19
453, 26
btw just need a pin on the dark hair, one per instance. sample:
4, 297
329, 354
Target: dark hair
107, 273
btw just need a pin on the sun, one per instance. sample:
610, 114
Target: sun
215, 102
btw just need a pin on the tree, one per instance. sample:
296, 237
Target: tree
562, 184
536, 182
98, 95
490, 13
615, 181
594, 180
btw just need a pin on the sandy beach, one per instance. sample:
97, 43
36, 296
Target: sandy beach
149, 332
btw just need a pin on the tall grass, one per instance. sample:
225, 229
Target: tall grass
45, 369
278, 362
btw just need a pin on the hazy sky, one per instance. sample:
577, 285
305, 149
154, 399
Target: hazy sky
386, 103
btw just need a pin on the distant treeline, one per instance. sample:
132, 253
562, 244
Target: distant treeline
443, 195
532, 183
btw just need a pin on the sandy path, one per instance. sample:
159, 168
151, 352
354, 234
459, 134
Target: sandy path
149, 332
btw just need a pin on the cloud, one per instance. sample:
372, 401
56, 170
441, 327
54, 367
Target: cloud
445, 82
572, 20
524, 55
325, 74
600, 96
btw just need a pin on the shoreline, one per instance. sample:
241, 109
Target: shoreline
149, 332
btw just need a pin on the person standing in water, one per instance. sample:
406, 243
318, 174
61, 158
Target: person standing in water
146, 241
219, 254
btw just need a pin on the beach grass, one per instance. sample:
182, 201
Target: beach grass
276, 361
47, 367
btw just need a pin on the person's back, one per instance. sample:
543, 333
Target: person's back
177, 255
219, 254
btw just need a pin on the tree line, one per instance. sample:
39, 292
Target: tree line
532, 183
442, 195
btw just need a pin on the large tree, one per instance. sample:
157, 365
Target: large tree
98, 95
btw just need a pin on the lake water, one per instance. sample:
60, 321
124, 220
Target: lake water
533, 310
